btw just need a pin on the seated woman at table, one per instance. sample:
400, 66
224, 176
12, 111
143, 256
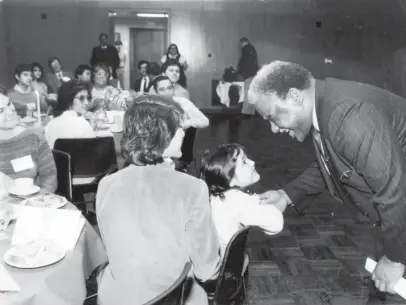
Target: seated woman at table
193, 117
69, 121
153, 219
24, 152
105, 96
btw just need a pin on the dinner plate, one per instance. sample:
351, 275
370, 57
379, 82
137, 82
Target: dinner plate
24, 192
34, 255
47, 200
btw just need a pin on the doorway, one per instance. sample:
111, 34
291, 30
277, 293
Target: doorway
146, 44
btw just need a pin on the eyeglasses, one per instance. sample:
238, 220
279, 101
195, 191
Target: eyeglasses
101, 74
83, 98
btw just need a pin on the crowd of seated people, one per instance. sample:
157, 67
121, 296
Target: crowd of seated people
136, 201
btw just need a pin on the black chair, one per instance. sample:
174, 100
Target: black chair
231, 286
63, 174
90, 158
174, 294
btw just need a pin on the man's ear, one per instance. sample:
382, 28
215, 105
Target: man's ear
296, 96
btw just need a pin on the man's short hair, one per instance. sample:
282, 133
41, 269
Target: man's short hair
52, 60
154, 69
277, 78
244, 39
143, 62
103, 35
20, 68
82, 68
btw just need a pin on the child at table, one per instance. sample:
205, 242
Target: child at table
227, 172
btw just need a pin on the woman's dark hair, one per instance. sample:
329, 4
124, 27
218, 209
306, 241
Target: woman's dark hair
82, 68
149, 126
40, 67
173, 62
101, 66
218, 167
158, 79
66, 94
172, 45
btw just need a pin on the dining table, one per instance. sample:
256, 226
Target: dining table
62, 283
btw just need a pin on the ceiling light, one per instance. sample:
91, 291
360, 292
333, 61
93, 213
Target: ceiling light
154, 15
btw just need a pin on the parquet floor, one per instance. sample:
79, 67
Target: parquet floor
318, 258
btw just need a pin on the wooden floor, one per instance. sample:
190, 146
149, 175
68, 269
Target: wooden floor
317, 258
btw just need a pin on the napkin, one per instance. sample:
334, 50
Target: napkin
400, 287
36, 223
6, 282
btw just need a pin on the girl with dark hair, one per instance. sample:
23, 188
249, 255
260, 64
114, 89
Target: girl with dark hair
173, 70
69, 121
173, 54
165, 213
38, 83
227, 172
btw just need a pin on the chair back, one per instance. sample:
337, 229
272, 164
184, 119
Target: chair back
230, 279
63, 174
174, 294
91, 157
188, 145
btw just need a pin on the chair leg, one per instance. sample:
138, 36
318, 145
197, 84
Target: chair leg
245, 293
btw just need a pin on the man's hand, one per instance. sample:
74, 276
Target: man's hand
387, 274
278, 198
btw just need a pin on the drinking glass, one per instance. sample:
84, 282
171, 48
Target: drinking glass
6, 211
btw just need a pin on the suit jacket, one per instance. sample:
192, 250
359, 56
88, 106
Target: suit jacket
248, 63
108, 56
53, 82
364, 135
137, 85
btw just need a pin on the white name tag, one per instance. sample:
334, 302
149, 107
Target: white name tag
22, 163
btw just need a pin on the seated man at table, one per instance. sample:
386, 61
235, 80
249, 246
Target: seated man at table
22, 95
69, 122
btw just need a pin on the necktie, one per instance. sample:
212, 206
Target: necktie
60, 77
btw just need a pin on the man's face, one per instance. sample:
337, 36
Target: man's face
25, 78
143, 69
85, 76
103, 40
292, 115
56, 66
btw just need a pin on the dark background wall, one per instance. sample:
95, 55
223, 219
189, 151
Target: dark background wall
365, 39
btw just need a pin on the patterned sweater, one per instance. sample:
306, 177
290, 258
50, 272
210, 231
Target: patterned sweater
29, 142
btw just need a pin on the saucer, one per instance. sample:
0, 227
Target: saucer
24, 192
28, 119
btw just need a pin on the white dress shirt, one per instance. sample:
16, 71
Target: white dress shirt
238, 210
144, 84
68, 126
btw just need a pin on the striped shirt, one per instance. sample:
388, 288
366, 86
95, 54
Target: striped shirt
29, 142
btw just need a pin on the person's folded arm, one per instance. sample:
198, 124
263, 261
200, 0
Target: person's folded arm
201, 234
366, 140
308, 183
195, 118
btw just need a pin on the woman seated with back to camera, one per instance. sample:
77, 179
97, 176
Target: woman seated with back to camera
24, 152
193, 117
152, 218
69, 121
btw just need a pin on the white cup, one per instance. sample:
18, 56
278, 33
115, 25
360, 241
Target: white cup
118, 121
24, 183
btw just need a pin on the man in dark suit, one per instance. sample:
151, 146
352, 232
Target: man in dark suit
105, 53
57, 76
142, 83
359, 135
247, 68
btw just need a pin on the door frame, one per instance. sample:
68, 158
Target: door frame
133, 62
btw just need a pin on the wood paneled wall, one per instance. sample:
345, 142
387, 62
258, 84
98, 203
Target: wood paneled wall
361, 44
